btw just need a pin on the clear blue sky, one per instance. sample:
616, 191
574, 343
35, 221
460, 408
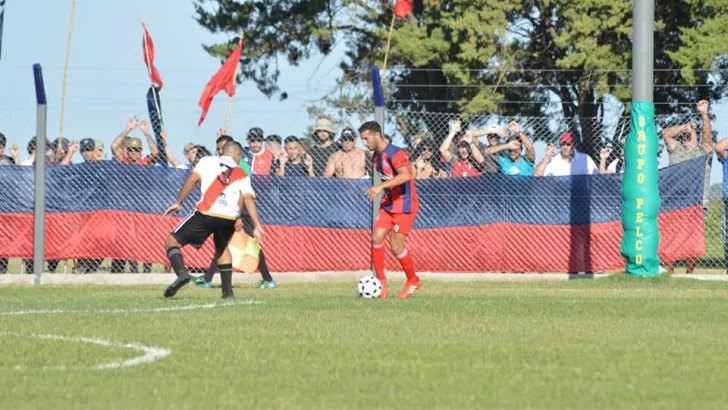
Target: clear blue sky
107, 79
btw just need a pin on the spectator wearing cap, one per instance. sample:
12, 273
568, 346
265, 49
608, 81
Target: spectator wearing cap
259, 160
293, 162
31, 154
129, 151
349, 161
88, 150
426, 166
14, 158
323, 137
511, 157
469, 160
568, 162
62, 151
273, 145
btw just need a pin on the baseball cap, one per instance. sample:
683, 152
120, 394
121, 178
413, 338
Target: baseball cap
256, 134
567, 138
87, 144
64, 143
348, 134
324, 124
134, 143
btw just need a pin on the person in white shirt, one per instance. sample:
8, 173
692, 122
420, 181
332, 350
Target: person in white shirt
568, 162
225, 189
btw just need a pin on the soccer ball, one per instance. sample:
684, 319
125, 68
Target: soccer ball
369, 287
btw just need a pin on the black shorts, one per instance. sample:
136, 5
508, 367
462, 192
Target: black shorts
247, 224
196, 228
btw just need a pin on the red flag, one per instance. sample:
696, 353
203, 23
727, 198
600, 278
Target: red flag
402, 8
223, 80
148, 54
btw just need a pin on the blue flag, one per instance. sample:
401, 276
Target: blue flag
154, 106
2, 14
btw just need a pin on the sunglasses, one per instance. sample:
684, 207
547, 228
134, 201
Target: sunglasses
565, 144
134, 149
255, 139
426, 149
348, 138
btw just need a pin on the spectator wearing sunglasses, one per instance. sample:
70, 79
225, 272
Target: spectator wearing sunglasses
349, 161
425, 166
568, 162
259, 160
129, 150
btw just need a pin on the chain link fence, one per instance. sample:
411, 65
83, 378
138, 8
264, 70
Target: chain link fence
479, 212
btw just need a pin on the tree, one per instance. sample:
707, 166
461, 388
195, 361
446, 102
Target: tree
463, 57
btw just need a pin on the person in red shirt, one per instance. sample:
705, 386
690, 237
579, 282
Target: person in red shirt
469, 161
398, 208
129, 150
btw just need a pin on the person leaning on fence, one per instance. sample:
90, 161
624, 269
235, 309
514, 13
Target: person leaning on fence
568, 162
292, 162
613, 167
682, 145
512, 160
14, 158
13, 161
259, 160
323, 136
426, 166
721, 151
349, 161
273, 145
469, 160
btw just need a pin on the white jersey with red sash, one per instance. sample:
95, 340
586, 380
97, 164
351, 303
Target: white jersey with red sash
222, 183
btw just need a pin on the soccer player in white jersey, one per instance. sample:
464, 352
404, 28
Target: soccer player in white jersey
225, 190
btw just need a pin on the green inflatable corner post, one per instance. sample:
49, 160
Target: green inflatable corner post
641, 194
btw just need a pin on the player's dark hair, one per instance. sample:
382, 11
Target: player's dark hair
225, 138
202, 152
371, 126
232, 145
291, 138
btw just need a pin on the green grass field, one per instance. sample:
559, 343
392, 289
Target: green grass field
608, 343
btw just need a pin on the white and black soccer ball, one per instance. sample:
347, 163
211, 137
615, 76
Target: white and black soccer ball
369, 287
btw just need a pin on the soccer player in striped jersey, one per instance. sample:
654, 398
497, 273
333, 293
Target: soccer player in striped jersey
398, 208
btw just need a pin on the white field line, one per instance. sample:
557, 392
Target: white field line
129, 310
150, 353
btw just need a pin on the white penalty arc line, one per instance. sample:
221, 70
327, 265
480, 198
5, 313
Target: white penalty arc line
132, 310
150, 353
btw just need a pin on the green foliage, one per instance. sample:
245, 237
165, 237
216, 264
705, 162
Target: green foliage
476, 56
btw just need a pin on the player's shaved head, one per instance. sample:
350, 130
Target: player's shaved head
232, 149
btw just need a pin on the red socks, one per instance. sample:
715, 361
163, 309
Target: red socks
378, 261
408, 265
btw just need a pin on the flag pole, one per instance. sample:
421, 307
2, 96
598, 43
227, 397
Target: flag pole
149, 71
386, 52
65, 69
230, 98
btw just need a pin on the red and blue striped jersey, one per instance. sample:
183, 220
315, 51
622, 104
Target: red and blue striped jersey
400, 199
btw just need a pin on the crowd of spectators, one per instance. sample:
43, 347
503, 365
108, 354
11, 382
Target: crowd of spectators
461, 153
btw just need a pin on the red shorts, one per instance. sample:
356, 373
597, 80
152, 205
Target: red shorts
400, 223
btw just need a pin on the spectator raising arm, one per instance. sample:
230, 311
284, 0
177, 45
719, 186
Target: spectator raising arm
707, 127
527, 143
117, 146
603, 157
15, 153
153, 150
541, 167
474, 148
447, 143
168, 151
72, 148
670, 134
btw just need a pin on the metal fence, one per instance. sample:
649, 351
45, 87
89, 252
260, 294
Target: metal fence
478, 212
